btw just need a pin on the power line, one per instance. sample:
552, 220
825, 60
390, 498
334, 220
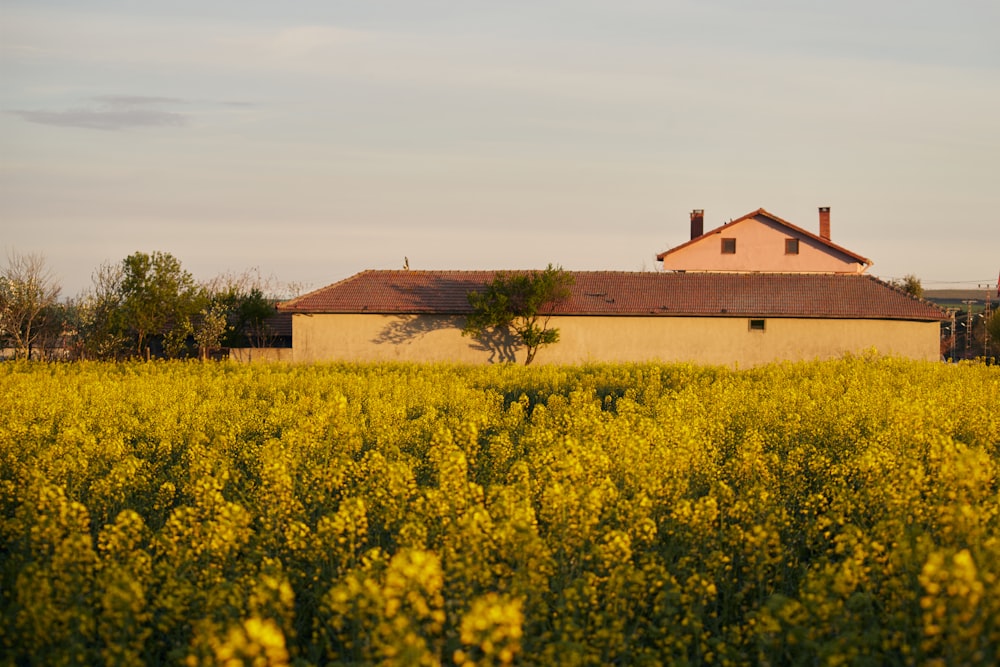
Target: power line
955, 282
969, 284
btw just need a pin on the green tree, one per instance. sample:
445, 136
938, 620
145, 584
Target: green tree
247, 314
247, 302
909, 284
28, 295
253, 313
175, 340
211, 328
520, 303
156, 294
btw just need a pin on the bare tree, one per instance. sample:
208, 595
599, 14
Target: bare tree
99, 332
240, 283
294, 288
28, 292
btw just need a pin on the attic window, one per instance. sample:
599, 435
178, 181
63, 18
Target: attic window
791, 246
756, 325
728, 246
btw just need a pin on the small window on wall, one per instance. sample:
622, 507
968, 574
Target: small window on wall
756, 325
728, 246
791, 246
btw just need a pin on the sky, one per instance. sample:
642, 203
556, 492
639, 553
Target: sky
311, 140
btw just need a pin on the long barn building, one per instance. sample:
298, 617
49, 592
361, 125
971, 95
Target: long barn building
741, 319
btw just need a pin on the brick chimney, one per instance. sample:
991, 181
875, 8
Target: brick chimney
697, 223
824, 222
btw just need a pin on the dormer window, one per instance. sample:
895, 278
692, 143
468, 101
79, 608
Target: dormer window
791, 246
728, 246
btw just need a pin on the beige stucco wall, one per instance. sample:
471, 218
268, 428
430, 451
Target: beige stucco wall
760, 246
717, 340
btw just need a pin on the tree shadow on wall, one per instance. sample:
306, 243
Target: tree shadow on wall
408, 327
501, 346
424, 303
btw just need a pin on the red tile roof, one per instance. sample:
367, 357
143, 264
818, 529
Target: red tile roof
819, 239
633, 294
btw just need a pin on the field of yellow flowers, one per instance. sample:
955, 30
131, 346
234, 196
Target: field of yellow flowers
827, 513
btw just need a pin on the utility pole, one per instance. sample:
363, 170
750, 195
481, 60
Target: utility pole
968, 325
986, 324
954, 334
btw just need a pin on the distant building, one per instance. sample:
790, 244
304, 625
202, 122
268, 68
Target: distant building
761, 241
755, 290
728, 318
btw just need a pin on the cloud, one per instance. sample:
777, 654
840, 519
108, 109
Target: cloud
112, 112
135, 100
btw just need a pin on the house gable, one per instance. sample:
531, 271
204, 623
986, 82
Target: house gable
761, 241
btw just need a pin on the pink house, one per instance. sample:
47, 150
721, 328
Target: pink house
761, 242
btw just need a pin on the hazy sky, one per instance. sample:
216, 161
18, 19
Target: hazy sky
314, 139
